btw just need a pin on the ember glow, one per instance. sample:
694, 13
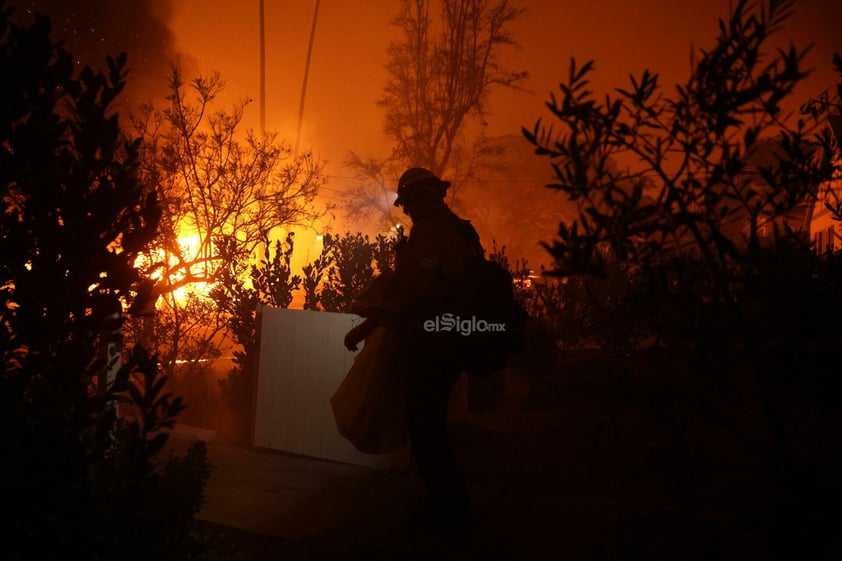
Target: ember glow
160, 262
190, 246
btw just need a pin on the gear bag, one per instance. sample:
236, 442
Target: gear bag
481, 319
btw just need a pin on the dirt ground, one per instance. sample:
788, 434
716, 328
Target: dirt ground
573, 462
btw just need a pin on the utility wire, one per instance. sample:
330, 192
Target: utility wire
262, 71
306, 75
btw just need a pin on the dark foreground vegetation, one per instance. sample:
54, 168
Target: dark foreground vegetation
76, 480
693, 259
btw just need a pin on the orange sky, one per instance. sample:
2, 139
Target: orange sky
347, 76
346, 73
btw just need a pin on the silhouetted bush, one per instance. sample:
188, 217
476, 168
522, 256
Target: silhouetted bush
268, 283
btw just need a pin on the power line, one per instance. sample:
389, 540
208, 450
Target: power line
306, 75
262, 71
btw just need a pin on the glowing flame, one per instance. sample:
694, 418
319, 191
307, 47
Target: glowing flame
190, 246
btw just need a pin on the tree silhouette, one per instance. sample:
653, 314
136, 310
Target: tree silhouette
440, 76
702, 172
215, 182
713, 182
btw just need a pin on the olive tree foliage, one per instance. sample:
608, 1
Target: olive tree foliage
695, 178
692, 208
693, 221
441, 72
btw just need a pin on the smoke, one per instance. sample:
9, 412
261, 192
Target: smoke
93, 29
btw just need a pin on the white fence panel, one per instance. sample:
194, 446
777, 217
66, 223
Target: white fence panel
302, 361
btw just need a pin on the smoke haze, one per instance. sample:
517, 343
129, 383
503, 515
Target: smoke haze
93, 29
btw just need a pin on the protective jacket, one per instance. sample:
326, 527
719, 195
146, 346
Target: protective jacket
427, 266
